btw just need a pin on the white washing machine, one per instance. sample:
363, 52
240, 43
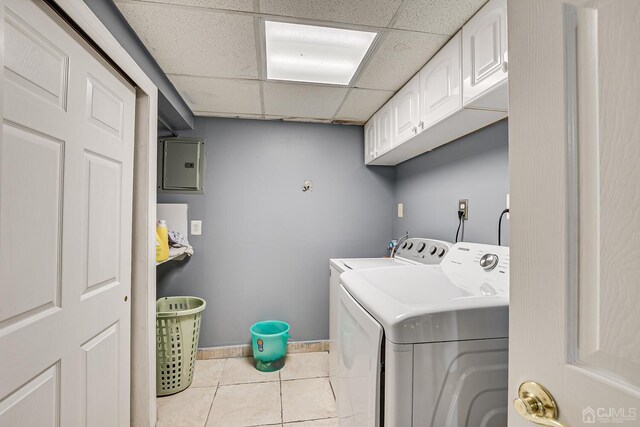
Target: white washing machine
426, 346
413, 251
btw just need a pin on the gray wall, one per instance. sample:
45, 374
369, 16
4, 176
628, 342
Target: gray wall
475, 167
265, 246
171, 107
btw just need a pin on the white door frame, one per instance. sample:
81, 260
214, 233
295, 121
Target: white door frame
143, 263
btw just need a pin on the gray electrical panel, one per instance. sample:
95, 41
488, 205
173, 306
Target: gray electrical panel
181, 165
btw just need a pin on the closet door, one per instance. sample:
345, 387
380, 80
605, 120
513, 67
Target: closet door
65, 227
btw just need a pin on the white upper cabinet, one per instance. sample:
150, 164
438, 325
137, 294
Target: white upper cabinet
383, 133
484, 60
369, 141
440, 84
405, 111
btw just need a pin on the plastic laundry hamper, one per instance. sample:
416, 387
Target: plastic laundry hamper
177, 333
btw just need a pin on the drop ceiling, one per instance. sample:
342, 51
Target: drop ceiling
213, 52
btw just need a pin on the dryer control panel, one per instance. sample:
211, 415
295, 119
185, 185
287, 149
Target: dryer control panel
478, 268
424, 251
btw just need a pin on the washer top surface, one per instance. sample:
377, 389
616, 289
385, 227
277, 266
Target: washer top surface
467, 297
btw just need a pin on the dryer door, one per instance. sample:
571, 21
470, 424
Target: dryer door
359, 365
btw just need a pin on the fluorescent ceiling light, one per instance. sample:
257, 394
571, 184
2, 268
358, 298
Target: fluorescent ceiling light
306, 53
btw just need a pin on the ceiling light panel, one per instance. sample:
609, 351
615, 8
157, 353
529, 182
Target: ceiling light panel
307, 53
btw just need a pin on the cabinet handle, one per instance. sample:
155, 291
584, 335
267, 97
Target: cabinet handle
505, 67
414, 129
421, 124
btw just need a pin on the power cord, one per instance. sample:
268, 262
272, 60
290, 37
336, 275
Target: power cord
460, 224
500, 226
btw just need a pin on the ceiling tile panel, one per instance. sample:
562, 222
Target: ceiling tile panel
360, 104
364, 12
437, 16
237, 5
210, 95
298, 100
399, 56
195, 41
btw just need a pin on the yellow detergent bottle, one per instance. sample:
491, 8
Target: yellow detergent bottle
162, 241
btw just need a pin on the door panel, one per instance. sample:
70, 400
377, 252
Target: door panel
41, 394
578, 214
369, 141
101, 368
102, 177
384, 137
37, 218
405, 113
485, 54
65, 222
440, 84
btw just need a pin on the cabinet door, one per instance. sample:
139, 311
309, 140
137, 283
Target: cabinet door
440, 85
405, 111
383, 135
369, 141
484, 60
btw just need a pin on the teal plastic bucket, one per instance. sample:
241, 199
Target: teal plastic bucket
269, 340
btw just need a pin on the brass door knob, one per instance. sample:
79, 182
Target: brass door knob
537, 405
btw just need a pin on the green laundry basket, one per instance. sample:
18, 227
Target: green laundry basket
177, 333
269, 340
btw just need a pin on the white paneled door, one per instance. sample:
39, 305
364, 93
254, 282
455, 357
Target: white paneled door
65, 227
574, 151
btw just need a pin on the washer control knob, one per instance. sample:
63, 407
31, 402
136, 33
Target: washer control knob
441, 252
432, 250
421, 247
410, 245
404, 246
489, 261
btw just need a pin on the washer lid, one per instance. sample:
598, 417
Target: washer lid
347, 264
416, 304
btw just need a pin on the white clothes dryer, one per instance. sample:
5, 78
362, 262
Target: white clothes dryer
426, 346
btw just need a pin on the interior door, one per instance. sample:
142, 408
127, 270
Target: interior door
574, 148
65, 227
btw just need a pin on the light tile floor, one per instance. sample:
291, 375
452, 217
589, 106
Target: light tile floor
232, 393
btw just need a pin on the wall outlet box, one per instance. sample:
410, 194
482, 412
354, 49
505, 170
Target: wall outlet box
196, 228
463, 206
400, 210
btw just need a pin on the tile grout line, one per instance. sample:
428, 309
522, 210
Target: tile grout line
214, 395
281, 402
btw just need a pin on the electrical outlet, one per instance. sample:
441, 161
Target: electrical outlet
463, 205
507, 215
196, 228
400, 210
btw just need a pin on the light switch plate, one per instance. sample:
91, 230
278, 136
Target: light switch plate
196, 228
400, 210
